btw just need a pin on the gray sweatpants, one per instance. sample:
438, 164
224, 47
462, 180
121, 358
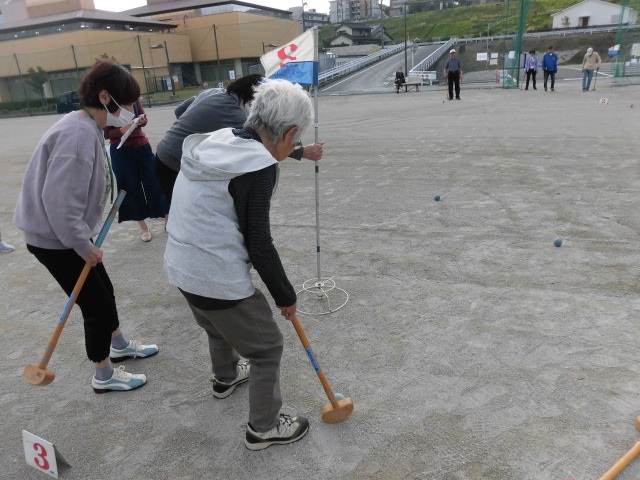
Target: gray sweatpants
248, 330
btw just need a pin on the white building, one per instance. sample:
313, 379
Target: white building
353, 10
311, 18
592, 13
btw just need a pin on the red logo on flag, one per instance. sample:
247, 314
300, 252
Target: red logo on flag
285, 54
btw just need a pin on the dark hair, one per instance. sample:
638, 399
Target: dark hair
113, 78
243, 86
550, 47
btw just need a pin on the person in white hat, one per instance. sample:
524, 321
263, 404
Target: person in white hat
590, 63
453, 70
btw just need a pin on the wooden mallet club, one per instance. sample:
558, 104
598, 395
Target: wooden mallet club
339, 407
625, 460
38, 374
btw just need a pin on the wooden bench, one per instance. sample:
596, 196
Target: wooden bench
415, 84
411, 83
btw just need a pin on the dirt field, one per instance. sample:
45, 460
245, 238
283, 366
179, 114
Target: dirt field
472, 347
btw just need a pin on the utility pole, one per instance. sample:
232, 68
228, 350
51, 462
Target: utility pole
24, 84
303, 25
75, 61
215, 39
144, 73
173, 86
381, 26
404, 7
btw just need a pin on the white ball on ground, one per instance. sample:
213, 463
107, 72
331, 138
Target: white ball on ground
339, 396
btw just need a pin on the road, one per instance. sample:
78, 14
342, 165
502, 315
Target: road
378, 77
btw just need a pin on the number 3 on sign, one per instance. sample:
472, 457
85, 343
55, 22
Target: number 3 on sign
40, 454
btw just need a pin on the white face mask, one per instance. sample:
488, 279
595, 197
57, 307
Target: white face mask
120, 121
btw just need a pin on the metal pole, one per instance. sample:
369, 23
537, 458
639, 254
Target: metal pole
381, 27
303, 25
75, 61
173, 87
144, 73
487, 65
24, 85
215, 39
317, 183
405, 39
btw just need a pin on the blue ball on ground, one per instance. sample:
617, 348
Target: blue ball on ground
339, 396
557, 242
437, 198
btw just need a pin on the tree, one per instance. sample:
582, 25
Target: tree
105, 56
36, 79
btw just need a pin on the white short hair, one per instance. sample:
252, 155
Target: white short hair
279, 105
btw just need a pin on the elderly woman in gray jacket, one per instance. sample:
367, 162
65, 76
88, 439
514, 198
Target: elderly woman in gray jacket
218, 229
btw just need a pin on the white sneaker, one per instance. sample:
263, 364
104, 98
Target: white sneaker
223, 389
288, 430
5, 247
120, 381
134, 350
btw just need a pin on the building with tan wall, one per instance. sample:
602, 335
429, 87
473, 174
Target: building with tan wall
225, 36
185, 41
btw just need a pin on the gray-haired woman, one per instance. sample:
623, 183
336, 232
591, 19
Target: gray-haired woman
218, 228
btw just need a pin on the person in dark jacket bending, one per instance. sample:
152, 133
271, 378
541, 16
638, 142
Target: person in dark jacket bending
209, 111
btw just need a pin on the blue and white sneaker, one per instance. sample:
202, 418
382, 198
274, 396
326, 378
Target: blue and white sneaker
120, 381
134, 350
5, 247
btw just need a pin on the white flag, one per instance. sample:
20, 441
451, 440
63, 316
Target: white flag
296, 61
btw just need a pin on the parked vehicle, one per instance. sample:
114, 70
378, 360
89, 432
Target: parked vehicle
68, 102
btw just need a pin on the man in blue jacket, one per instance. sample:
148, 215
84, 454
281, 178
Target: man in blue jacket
550, 67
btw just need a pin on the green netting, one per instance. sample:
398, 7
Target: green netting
624, 66
510, 75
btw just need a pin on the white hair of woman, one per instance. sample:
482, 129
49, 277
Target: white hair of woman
279, 105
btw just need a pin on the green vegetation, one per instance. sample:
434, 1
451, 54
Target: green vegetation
465, 21
168, 97
32, 105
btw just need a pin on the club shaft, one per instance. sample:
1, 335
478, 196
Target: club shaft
51, 346
307, 346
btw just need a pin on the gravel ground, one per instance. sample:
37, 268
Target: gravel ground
472, 347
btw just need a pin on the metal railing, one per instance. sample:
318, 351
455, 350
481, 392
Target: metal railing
357, 64
422, 68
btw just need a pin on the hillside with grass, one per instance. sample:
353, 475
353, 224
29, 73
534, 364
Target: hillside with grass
466, 21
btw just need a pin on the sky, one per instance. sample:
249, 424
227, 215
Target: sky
321, 6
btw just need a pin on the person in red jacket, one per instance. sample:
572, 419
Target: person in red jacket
133, 167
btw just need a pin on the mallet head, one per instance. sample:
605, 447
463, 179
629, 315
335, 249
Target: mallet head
339, 412
35, 375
